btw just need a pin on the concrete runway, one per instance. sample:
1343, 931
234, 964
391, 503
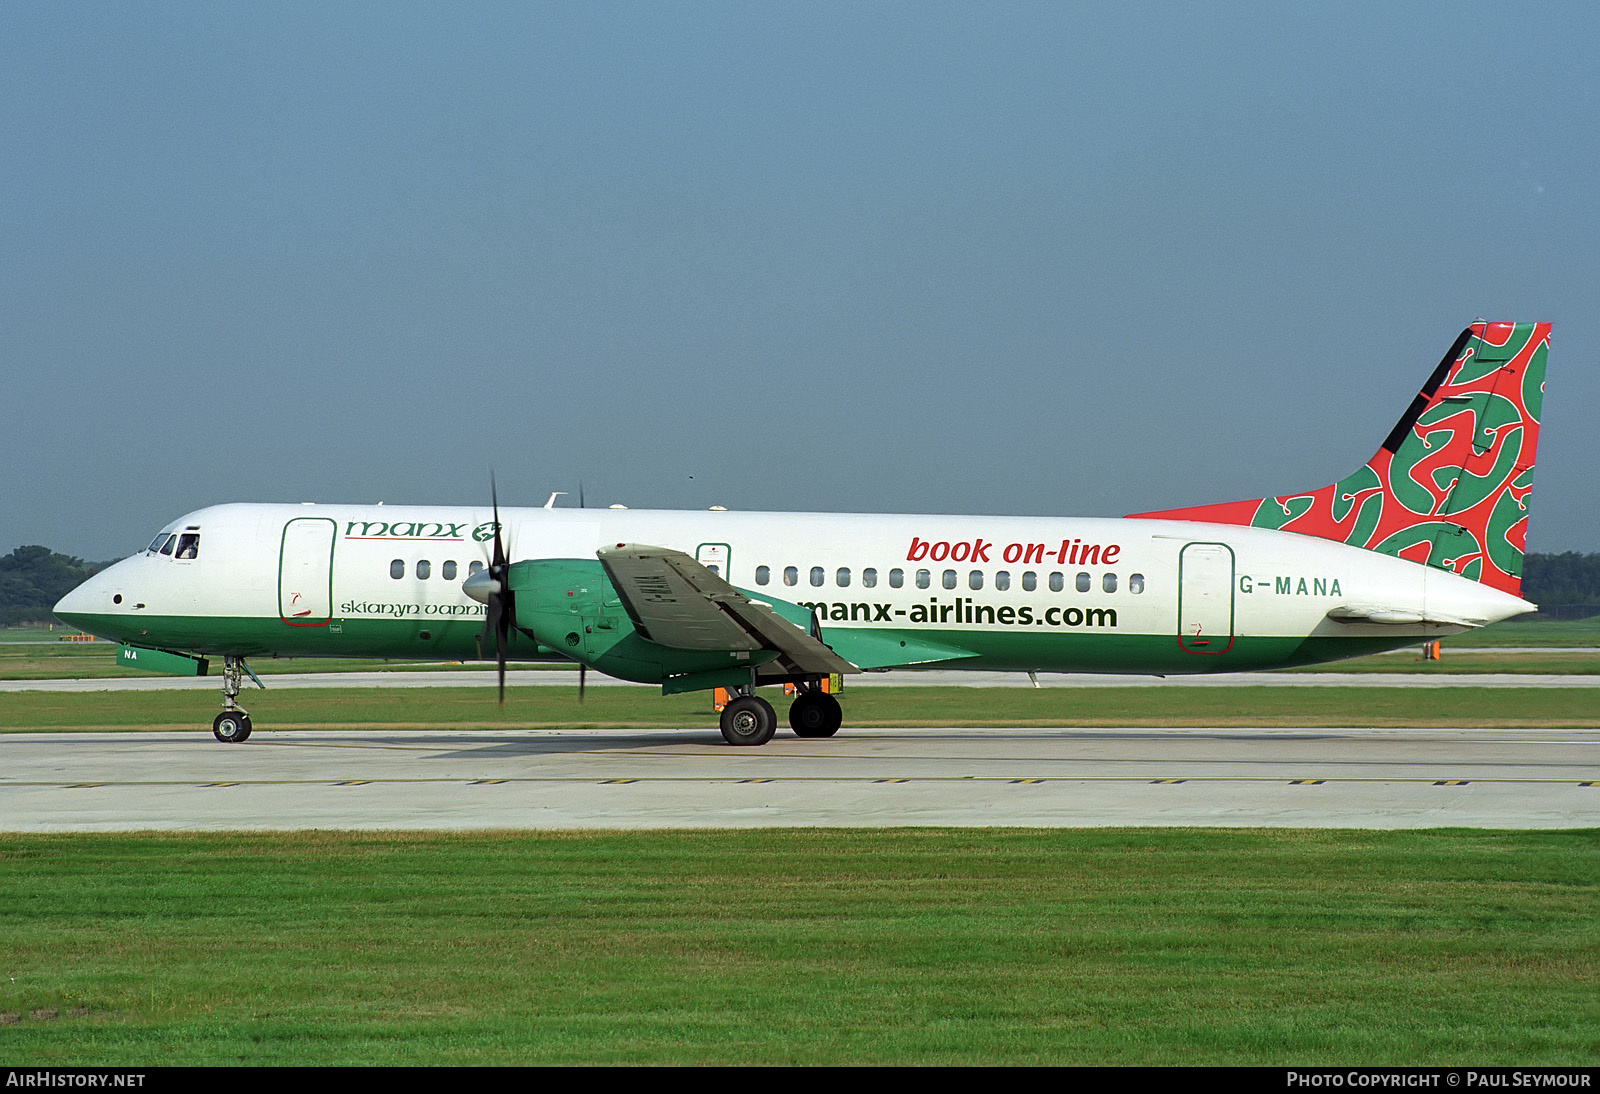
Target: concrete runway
1360, 778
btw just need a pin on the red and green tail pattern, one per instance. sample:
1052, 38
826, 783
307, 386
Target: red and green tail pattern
1449, 488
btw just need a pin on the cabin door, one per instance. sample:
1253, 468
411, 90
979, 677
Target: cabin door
305, 572
1205, 598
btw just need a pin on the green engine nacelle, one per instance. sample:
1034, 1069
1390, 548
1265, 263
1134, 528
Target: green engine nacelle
569, 605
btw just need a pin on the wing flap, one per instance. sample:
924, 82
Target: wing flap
676, 602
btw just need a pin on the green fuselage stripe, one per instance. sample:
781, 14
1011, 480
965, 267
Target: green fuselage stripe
458, 640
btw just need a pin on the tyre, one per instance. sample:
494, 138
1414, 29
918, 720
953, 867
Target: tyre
748, 720
815, 714
231, 727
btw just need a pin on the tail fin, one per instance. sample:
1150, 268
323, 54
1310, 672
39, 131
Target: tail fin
1449, 488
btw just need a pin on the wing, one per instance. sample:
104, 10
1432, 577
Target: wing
674, 601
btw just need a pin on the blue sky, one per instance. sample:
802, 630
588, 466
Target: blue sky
992, 258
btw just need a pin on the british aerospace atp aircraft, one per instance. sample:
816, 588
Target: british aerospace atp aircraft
1425, 539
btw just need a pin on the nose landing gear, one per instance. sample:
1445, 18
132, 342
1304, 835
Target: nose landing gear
232, 726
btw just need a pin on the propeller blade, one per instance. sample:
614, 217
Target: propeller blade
583, 672
498, 559
500, 654
501, 605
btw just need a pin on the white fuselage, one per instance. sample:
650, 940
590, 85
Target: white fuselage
1046, 593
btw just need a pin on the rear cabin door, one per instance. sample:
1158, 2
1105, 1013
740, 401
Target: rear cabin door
1205, 598
305, 572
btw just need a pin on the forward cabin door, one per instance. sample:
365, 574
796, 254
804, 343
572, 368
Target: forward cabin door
1205, 598
715, 557
305, 572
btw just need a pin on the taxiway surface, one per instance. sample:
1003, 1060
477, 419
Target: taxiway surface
599, 778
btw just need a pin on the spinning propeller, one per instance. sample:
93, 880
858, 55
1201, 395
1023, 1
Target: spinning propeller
492, 588
498, 598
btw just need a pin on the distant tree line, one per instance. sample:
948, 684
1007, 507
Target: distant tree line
1562, 585
33, 578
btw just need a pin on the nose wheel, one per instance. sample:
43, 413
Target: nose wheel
231, 727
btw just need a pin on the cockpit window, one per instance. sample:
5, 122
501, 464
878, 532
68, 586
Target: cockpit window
172, 540
189, 545
155, 544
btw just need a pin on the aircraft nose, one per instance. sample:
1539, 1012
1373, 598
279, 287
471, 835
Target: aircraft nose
92, 603
80, 603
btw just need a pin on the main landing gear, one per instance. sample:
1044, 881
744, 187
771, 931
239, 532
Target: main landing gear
815, 713
749, 719
232, 726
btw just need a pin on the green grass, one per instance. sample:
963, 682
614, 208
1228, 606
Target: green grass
35, 632
97, 660
37, 653
803, 947
1553, 660
1521, 631
557, 707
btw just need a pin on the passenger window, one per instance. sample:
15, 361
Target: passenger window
791, 576
1057, 581
1136, 583
763, 574
1109, 583
924, 579
189, 545
869, 578
1030, 581
474, 568
166, 548
816, 577
949, 579
424, 568
897, 578
715, 567
448, 570
975, 579
397, 569
1002, 580
843, 577
1083, 583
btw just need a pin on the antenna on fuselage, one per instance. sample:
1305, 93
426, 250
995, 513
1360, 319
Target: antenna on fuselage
551, 502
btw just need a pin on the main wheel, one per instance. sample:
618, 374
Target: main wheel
748, 720
815, 714
231, 727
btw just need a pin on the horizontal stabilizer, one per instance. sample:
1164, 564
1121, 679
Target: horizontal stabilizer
1397, 617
